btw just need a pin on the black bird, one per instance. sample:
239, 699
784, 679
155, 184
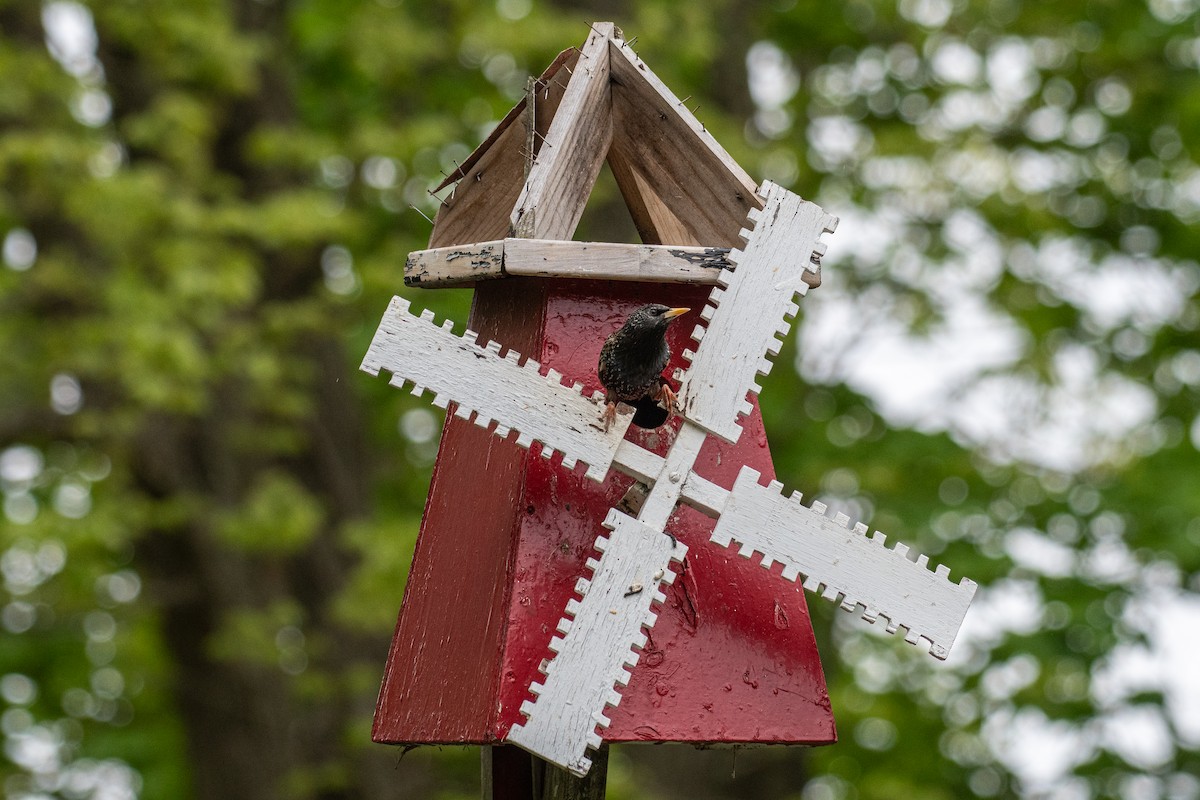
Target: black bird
633, 358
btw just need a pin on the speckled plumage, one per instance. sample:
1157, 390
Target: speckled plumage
633, 358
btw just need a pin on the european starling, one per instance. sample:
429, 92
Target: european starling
633, 358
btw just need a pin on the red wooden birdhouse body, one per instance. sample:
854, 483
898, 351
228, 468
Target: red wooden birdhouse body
506, 534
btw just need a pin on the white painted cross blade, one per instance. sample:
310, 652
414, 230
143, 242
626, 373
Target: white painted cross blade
603, 626
513, 394
844, 562
748, 312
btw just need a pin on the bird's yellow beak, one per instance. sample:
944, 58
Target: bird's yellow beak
675, 312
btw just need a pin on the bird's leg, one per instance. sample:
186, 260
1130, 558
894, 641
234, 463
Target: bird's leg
610, 414
666, 398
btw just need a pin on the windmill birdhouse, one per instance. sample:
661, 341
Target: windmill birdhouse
574, 582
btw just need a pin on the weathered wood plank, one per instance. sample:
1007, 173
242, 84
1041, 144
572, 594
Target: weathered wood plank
653, 219
684, 166
463, 264
843, 564
612, 261
455, 265
492, 389
749, 309
558, 784
627, 63
839, 562
563, 174
490, 180
478, 209
615, 605
546, 98
566, 57
693, 189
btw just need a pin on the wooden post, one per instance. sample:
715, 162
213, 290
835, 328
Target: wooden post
507, 773
510, 773
559, 784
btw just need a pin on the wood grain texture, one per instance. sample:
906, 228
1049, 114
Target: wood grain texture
491, 179
559, 784
844, 564
701, 494
462, 265
749, 309
490, 389
445, 662
613, 262
657, 138
549, 75
562, 176
478, 210
592, 655
458, 265
651, 216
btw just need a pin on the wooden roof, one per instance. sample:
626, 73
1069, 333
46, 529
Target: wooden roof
596, 102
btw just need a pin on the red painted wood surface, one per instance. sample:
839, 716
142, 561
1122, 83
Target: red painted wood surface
732, 657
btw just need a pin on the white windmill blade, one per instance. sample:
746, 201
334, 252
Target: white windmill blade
596, 650
844, 563
750, 308
513, 394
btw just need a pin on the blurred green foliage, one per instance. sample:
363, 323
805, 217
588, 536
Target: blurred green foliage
208, 514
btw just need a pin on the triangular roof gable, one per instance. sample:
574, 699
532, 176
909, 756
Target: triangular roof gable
533, 180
